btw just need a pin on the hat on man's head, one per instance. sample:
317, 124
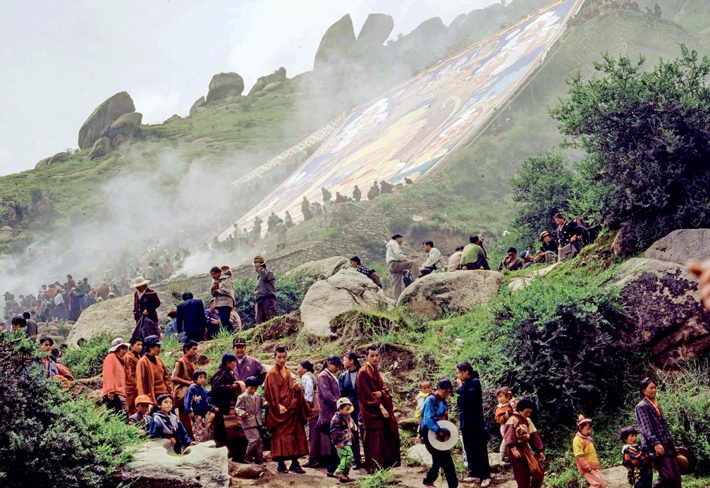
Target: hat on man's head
582, 420
116, 343
150, 341
544, 234
239, 342
140, 281
259, 259
343, 401
143, 399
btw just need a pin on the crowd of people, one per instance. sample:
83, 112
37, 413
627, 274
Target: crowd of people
567, 240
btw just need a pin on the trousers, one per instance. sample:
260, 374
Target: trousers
595, 479
440, 460
255, 450
345, 455
397, 269
668, 471
476, 454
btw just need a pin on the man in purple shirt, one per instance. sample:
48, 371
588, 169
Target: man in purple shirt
246, 366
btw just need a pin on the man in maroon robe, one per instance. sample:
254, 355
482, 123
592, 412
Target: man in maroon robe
381, 432
288, 412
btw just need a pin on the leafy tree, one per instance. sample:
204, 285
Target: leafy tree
542, 187
647, 139
564, 347
47, 439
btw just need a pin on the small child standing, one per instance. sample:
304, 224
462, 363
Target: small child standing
341, 433
197, 405
424, 392
249, 406
141, 419
636, 459
504, 409
586, 455
165, 425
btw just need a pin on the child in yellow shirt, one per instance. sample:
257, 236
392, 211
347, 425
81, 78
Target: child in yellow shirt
424, 392
586, 455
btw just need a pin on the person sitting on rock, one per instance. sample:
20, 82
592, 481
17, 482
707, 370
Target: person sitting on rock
547, 242
356, 263
164, 424
140, 418
433, 258
511, 262
454, 263
373, 192
385, 187
474, 255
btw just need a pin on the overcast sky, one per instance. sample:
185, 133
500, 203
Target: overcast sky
60, 59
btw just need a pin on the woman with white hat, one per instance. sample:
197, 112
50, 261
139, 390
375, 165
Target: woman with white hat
145, 309
113, 393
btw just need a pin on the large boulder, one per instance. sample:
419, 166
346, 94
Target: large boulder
6, 233
100, 148
114, 316
103, 116
127, 125
60, 157
345, 290
154, 466
337, 46
224, 85
680, 246
375, 31
198, 105
318, 270
438, 294
663, 305
276, 78
520, 283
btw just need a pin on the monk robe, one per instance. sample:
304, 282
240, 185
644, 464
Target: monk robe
131, 381
381, 435
288, 436
152, 378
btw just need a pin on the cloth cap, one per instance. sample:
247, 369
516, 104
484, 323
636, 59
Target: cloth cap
116, 343
258, 259
583, 420
239, 342
544, 234
153, 340
343, 401
143, 399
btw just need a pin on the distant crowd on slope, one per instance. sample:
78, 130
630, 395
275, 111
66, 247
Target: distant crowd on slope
567, 240
65, 301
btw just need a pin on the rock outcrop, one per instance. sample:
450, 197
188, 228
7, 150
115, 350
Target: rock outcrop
6, 233
345, 290
663, 304
224, 85
172, 118
198, 105
375, 31
337, 46
520, 283
103, 116
100, 148
60, 157
114, 316
313, 271
680, 246
201, 466
438, 294
272, 81
127, 125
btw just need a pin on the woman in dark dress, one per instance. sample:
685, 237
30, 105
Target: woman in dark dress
225, 390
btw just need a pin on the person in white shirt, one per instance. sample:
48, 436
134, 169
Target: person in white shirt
398, 264
433, 258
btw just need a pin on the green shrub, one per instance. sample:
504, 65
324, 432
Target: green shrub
87, 361
564, 347
48, 439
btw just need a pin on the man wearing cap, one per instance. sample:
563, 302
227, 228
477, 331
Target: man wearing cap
398, 264
547, 242
265, 292
436, 408
246, 365
474, 255
151, 374
140, 418
113, 393
381, 430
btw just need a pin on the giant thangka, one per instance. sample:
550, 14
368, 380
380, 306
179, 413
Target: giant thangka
416, 126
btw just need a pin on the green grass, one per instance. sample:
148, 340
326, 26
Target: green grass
382, 477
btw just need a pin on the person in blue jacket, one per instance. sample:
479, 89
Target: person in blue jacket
347, 383
436, 408
164, 424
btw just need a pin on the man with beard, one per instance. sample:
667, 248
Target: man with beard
381, 432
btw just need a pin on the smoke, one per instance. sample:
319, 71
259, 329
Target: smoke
168, 202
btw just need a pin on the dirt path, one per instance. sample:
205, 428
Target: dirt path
316, 478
